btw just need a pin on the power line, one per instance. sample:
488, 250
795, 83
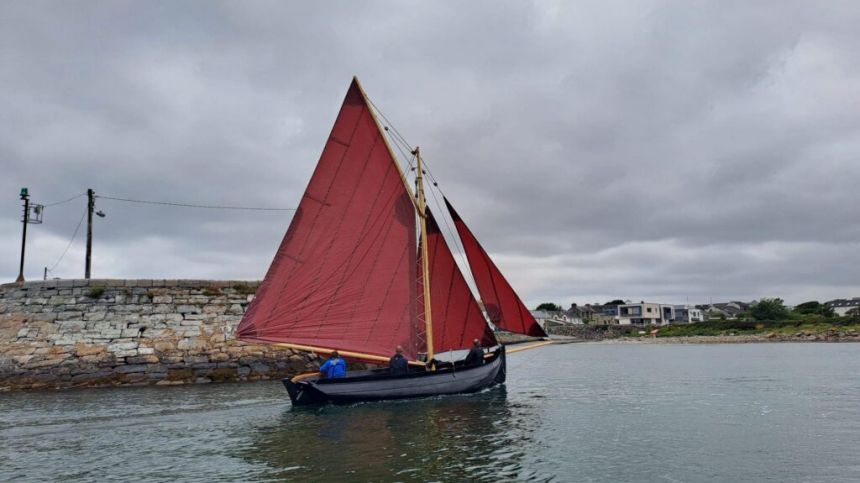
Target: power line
75, 234
189, 205
65, 201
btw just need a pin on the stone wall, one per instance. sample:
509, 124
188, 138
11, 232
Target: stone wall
75, 333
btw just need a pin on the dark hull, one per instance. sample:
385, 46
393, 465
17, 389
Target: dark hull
378, 385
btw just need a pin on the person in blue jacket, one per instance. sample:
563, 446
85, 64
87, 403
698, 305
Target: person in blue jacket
334, 367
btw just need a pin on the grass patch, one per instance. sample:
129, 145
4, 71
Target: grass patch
809, 324
97, 291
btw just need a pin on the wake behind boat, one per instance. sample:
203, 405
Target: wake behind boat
364, 268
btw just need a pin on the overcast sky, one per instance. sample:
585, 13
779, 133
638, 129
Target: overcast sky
662, 151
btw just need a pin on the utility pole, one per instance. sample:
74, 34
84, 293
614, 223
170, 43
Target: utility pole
91, 204
25, 196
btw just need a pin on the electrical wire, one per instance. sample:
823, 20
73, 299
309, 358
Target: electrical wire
189, 205
64, 201
75, 234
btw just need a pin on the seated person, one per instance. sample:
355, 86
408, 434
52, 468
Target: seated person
398, 364
476, 354
334, 367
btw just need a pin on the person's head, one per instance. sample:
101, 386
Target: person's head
476, 343
399, 350
335, 355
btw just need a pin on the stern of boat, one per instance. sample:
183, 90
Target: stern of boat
503, 370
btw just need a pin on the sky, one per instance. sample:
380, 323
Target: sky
675, 152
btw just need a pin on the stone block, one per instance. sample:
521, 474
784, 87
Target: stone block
191, 344
68, 315
142, 359
196, 359
88, 350
214, 309
121, 346
145, 350
130, 368
66, 326
188, 309
162, 299
126, 353
95, 316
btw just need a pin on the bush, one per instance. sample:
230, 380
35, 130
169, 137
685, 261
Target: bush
96, 292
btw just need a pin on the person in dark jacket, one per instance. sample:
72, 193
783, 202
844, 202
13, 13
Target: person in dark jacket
476, 354
334, 368
398, 364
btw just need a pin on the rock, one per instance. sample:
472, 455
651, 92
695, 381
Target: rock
191, 344
122, 346
142, 359
88, 350
162, 299
129, 368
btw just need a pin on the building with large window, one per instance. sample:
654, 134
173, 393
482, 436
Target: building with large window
645, 314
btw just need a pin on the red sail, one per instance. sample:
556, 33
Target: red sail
457, 318
344, 275
503, 306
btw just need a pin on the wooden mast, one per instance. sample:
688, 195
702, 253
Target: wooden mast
425, 265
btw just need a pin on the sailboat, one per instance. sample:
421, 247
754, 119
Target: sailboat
364, 268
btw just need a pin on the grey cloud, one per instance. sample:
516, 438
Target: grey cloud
598, 149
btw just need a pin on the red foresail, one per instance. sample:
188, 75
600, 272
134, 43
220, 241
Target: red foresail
344, 275
503, 305
457, 318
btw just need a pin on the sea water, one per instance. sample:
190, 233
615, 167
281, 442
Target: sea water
577, 412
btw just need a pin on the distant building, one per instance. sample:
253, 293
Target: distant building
685, 314
841, 307
728, 310
645, 313
547, 319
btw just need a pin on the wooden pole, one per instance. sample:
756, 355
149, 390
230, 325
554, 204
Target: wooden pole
91, 204
26, 197
425, 259
325, 350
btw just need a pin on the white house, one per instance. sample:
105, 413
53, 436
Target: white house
687, 314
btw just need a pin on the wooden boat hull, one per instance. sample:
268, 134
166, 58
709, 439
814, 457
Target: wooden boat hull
377, 385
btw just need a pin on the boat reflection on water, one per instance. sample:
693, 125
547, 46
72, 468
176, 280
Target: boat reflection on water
453, 438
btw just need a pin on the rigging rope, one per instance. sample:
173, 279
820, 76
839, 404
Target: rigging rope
400, 142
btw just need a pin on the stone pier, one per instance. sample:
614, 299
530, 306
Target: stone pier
80, 333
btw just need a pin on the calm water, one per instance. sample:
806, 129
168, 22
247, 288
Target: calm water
608, 413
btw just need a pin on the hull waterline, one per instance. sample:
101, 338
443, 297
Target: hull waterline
378, 385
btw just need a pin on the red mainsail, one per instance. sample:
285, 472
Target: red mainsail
456, 314
503, 305
344, 275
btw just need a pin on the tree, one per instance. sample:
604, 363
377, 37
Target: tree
769, 309
814, 308
615, 302
549, 307
811, 307
853, 312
